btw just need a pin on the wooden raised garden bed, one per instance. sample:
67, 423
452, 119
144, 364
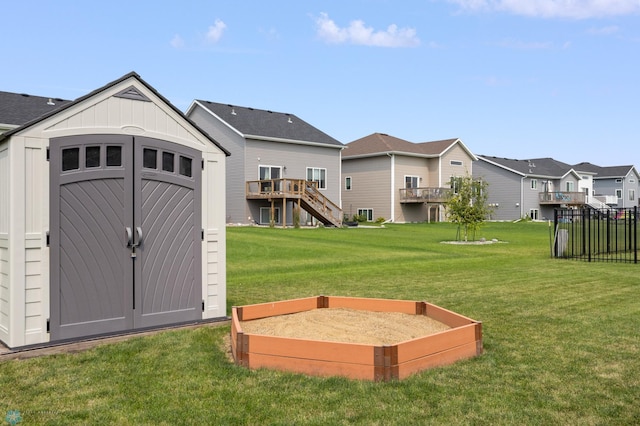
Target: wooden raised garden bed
353, 360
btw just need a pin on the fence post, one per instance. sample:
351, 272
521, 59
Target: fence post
635, 234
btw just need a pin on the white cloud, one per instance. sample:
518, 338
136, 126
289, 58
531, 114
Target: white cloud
575, 9
612, 29
177, 42
358, 33
215, 31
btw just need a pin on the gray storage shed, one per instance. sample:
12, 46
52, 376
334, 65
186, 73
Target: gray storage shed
112, 218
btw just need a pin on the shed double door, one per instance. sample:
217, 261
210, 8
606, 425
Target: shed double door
125, 237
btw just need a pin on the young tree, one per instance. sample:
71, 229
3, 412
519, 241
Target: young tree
467, 205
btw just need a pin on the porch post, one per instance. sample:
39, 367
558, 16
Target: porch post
284, 212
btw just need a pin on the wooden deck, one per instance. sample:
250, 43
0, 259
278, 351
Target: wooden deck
424, 195
305, 192
562, 197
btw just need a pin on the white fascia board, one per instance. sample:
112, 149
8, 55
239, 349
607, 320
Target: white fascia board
501, 166
196, 103
389, 153
464, 147
573, 172
292, 141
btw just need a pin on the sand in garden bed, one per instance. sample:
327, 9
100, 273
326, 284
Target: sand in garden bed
346, 326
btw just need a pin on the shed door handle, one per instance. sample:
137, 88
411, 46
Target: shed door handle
139, 232
129, 237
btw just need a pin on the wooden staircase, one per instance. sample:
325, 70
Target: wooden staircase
306, 192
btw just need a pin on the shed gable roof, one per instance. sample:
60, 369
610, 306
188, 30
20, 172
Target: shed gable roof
259, 123
188, 123
19, 108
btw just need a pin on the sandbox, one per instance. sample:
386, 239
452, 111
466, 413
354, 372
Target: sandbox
354, 360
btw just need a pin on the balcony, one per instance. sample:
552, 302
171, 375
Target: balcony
424, 195
561, 197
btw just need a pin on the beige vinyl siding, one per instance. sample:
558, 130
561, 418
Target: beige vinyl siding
371, 186
409, 166
433, 174
4, 242
456, 153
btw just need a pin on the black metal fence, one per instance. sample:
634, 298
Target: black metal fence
596, 235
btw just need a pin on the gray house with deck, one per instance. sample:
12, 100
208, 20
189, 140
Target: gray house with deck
282, 170
616, 186
532, 188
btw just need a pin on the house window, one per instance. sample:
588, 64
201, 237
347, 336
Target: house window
632, 194
366, 213
455, 184
632, 181
265, 215
618, 180
455, 162
347, 183
315, 174
268, 173
534, 183
569, 186
533, 214
411, 181
618, 193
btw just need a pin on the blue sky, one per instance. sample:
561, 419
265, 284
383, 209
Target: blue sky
511, 78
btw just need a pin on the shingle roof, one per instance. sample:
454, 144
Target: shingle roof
381, 143
270, 124
532, 167
604, 172
18, 108
68, 104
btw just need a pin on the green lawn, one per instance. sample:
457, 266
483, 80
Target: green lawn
561, 339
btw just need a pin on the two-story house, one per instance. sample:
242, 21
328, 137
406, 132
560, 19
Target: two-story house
531, 188
281, 169
400, 181
19, 108
616, 186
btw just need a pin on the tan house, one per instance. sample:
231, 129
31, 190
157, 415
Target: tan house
400, 181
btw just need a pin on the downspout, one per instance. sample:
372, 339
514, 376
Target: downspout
522, 197
393, 184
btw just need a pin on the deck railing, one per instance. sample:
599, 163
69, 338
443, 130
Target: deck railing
562, 197
314, 201
424, 195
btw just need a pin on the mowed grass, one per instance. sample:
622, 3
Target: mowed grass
561, 339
